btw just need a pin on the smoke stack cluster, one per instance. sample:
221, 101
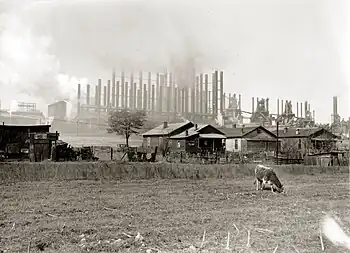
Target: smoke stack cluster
161, 94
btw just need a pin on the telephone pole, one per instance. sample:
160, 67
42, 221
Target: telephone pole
277, 123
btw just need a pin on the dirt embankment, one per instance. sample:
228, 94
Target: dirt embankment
11, 172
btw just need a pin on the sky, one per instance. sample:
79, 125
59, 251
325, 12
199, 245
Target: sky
288, 49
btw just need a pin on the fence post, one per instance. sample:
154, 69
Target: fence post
111, 153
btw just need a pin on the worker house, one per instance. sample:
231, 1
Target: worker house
199, 139
253, 139
306, 141
186, 136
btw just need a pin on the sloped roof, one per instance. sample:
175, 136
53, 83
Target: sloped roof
292, 132
237, 132
212, 136
191, 131
160, 130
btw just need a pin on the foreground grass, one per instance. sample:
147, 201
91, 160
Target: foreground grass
170, 215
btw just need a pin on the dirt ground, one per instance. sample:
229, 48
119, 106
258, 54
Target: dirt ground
170, 215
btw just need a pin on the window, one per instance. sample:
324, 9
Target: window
178, 144
299, 144
236, 144
258, 131
160, 141
148, 141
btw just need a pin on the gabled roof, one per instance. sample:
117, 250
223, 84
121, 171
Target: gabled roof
160, 130
193, 131
292, 132
242, 131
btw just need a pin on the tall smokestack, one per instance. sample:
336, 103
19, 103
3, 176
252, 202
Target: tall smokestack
206, 95
297, 110
197, 97
222, 94
153, 99
240, 102
193, 102
335, 105
161, 93
104, 95
131, 96
88, 94
139, 98
135, 96
253, 108
313, 115
117, 95
278, 107
301, 109
176, 106
126, 91
144, 106
158, 91
96, 96
79, 97
114, 104
141, 88
305, 108
108, 93
223, 103
179, 101
214, 94
122, 90
99, 100
282, 111
267, 105
201, 95
113, 94
149, 90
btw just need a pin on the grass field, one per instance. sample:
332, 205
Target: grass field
170, 215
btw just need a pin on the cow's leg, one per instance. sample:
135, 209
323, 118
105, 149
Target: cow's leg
257, 184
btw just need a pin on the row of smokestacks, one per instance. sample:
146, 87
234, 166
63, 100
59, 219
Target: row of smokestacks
202, 95
300, 113
299, 108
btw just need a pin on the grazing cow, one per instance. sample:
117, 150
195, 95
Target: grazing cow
265, 175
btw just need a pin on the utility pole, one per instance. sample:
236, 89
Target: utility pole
277, 123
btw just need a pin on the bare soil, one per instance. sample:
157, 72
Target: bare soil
170, 215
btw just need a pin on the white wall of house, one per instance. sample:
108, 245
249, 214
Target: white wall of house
234, 145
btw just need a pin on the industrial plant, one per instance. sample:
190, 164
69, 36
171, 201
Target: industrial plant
198, 97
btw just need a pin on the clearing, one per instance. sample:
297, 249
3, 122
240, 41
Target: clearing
171, 215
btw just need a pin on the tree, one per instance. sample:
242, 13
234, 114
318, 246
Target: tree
125, 122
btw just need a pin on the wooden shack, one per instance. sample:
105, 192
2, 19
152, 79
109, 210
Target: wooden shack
23, 142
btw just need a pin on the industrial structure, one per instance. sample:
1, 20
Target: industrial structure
339, 126
167, 97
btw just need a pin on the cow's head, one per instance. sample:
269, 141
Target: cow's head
280, 189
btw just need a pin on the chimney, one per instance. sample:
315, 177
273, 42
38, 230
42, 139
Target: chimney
186, 132
297, 110
278, 107
252, 104
282, 112
285, 130
297, 132
267, 104
165, 124
196, 126
234, 126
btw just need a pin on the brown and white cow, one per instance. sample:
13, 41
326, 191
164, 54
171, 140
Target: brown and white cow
265, 175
